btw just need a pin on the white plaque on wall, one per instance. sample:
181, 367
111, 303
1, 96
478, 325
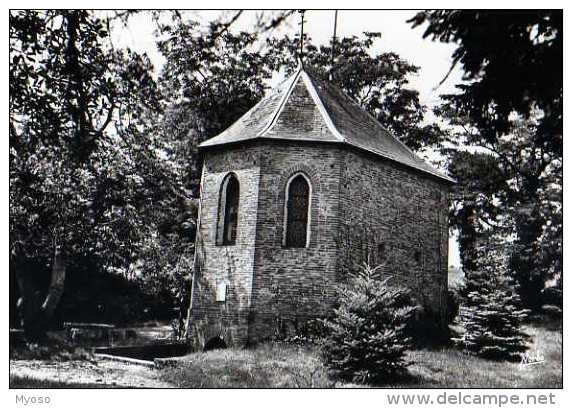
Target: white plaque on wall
221, 292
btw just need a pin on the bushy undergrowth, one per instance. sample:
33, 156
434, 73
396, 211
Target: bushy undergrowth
309, 332
366, 340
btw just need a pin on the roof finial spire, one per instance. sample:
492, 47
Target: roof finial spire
334, 45
301, 51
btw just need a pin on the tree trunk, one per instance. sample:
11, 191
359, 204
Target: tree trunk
468, 237
525, 260
56, 288
35, 314
526, 264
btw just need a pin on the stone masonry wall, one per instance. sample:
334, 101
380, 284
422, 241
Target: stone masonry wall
396, 219
231, 263
300, 116
362, 208
292, 285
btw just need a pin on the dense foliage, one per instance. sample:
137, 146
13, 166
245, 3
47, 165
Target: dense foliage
506, 120
366, 336
504, 56
89, 185
207, 84
513, 187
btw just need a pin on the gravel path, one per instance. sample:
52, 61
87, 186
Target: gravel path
103, 373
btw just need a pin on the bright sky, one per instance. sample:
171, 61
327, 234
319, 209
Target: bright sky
433, 58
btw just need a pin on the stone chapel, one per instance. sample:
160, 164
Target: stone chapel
294, 195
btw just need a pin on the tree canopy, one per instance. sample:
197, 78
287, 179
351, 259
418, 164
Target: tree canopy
88, 181
504, 56
507, 121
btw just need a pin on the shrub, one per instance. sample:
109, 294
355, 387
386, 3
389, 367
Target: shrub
366, 338
492, 314
311, 331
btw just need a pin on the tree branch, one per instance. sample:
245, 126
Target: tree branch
107, 119
225, 27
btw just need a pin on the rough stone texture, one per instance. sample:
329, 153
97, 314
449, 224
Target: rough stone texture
362, 208
230, 263
300, 117
293, 284
396, 219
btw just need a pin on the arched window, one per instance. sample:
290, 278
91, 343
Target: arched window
228, 211
297, 216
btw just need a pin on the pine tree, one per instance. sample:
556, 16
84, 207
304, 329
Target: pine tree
492, 313
366, 338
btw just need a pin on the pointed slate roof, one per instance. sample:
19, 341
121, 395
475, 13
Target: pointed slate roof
305, 108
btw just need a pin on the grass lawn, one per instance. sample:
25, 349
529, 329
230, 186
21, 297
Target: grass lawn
449, 368
29, 382
278, 365
270, 365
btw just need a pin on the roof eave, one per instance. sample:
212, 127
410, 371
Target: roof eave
435, 174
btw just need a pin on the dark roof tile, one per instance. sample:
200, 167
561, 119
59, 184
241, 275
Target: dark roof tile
306, 108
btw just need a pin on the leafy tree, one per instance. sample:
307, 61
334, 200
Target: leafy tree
210, 80
474, 198
509, 108
512, 186
68, 180
493, 313
366, 338
504, 56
